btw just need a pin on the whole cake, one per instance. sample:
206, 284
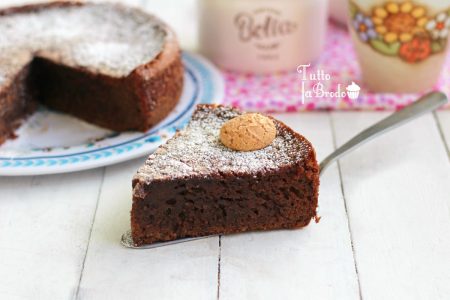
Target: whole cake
110, 65
195, 186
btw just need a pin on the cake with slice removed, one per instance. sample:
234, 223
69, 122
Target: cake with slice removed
195, 186
108, 64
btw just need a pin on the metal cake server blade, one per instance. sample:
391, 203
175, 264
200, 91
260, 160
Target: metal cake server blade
423, 105
127, 241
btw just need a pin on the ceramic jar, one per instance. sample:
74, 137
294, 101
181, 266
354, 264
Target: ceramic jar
262, 36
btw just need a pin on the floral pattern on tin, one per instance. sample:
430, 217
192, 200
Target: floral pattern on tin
405, 30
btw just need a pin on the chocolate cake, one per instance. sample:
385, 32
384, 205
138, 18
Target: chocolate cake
195, 186
110, 65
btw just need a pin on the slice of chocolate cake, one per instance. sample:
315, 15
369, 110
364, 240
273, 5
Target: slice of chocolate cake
195, 186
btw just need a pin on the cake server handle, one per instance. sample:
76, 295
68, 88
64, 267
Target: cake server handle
423, 105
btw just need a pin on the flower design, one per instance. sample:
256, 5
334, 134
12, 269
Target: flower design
364, 27
439, 26
399, 21
415, 50
402, 29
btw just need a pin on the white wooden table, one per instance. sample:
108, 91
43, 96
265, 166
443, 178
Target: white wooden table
384, 232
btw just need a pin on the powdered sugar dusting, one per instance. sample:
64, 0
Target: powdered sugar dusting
103, 38
197, 150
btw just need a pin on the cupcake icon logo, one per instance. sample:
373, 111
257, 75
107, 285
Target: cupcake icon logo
353, 91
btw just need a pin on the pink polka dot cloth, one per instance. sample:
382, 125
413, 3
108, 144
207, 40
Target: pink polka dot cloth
282, 92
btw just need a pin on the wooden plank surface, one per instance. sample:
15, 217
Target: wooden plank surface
311, 263
44, 228
184, 271
397, 193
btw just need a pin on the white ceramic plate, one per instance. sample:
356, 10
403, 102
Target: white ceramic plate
50, 142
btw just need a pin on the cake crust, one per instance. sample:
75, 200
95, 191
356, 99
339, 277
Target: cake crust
134, 97
194, 186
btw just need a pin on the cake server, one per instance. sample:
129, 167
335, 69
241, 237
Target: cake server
423, 105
